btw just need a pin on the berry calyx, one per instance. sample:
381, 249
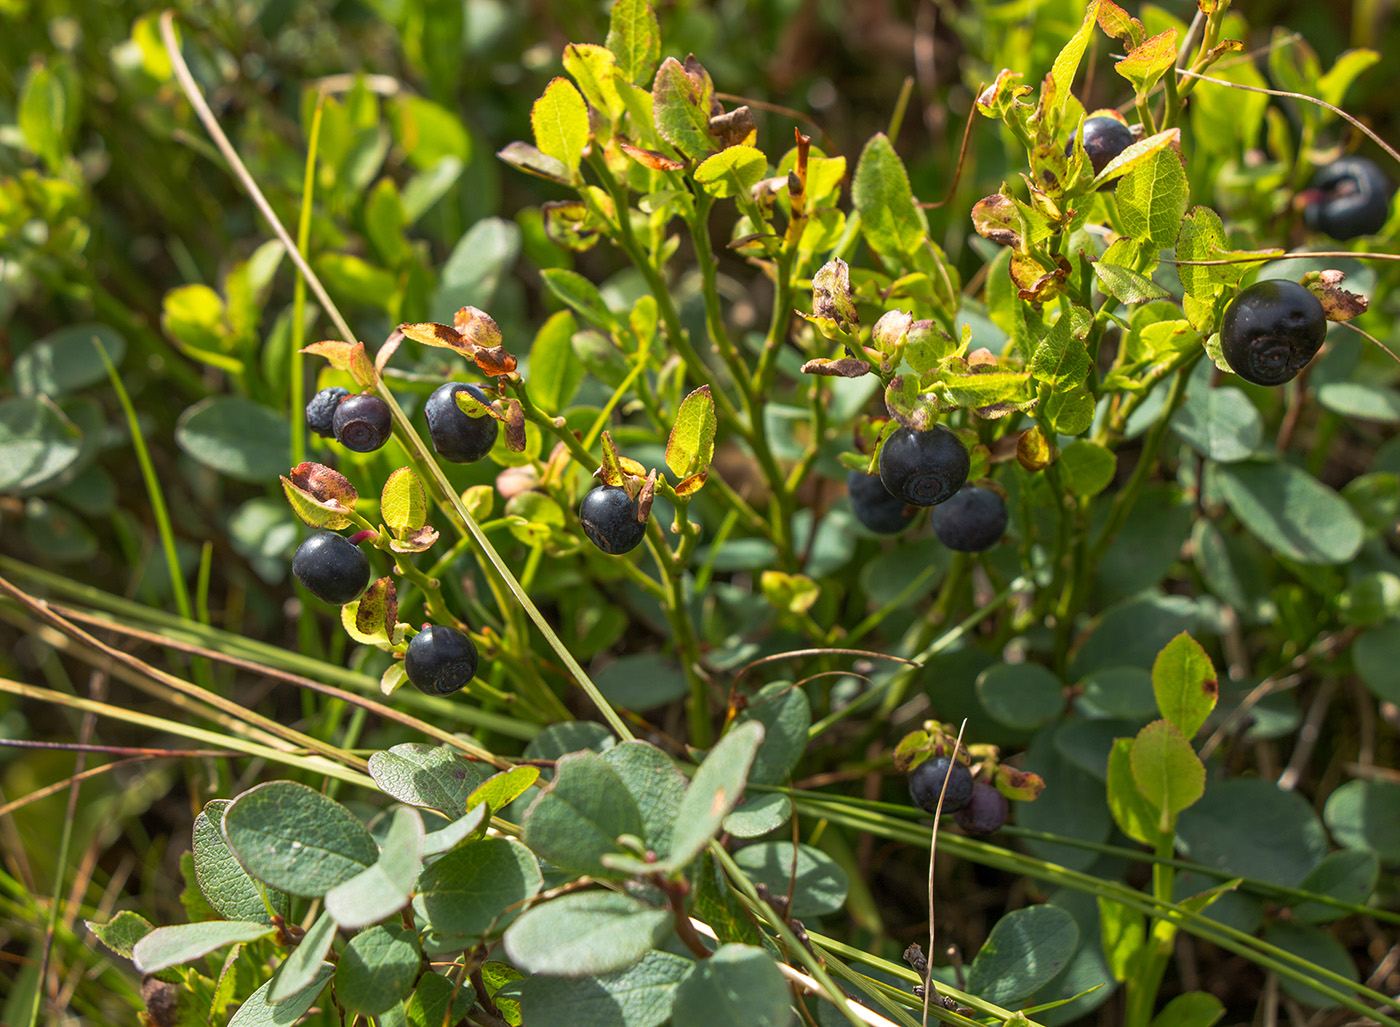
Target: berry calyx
1271, 330
455, 435
332, 568
362, 423
874, 507
985, 812
974, 519
1104, 139
926, 784
320, 412
1348, 198
923, 468
440, 660
609, 518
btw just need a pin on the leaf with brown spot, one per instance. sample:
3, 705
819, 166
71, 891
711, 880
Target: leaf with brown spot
1018, 784
1033, 282
515, 426
690, 486
1337, 303
841, 367
645, 497
649, 158
324, 484
349, 357
997, 218
378, 609
1033, 450
415, 541
494, 362
610, 473
477, 327
735, 128
533, 161
430, 333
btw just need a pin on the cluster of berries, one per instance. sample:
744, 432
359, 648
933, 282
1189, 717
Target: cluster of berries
977, 807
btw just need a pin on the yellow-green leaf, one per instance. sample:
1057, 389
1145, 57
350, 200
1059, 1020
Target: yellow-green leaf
1166, 770
594, 68
404, 504
559, 119
1185, 684
732, 171
1144, 64
692, 443
1067, 63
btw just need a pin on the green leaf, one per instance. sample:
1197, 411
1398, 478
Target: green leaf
1349, 875
739, 984
1026, 948
404, 503
1251, 828
1122, 934
1201, 237
1087, 466
449, 837
1185, 684
1291, 512
656, 786
381, 890
1131, 811
42, 114
1361, 400
1139, 153
732, 171
1194, 1009
1333, 86
1152, 198
713, 792
222, 881
691, 445
303, 964
122, 932
559, 120
891, 222
757, 814
236, 437
474, 269
1221, 424
555, 371
1167, 770
377, 969
785, 713
640, 996
1023, 696
428, 132
432, 776
585, 933
1317, 947
184, 943
1060, 359
258, 1011
467, 892
1366, 815
815, 881
436, 1001
1067, 61
642, 681
680, 99
295, 839
1375, 656
64, 361
1071, 412
634, 36
578, 818
581, 294
1126, 285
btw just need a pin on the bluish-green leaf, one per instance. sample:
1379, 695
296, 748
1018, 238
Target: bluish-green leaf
1291, 512
466, 892
1251, 828
184, 943
258, 1011
713, 791
1026, 948
381, 890
1221, 424
578, 818
377, 969
225, 885
432, 776
303, 964
236, 437
37, 443
1020, 695
1366, 815
640, 996
65, 360
656, 785
739, 984
585, 933
815, 881
1349, 875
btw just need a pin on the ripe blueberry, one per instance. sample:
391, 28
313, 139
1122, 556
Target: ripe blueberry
1271, 330
974, 519
609, 519
455, 435
332, 568
1348, 198
440, 660
362, 423
926, 784
875, 507
1104, 139
923, 468
985, 812
320, 412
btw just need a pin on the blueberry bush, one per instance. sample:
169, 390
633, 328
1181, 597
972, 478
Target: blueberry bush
598, 390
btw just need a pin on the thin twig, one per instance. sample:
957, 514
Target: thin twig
932, 851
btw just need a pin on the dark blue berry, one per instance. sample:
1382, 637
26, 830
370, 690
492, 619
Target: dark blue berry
363, 423
320, 412
440, 660
974, 519
609, 519
1104, 139
332, 568
1271, 330
875, 507
926, 784
1348, 198
985, 812
923, 468
455, 435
